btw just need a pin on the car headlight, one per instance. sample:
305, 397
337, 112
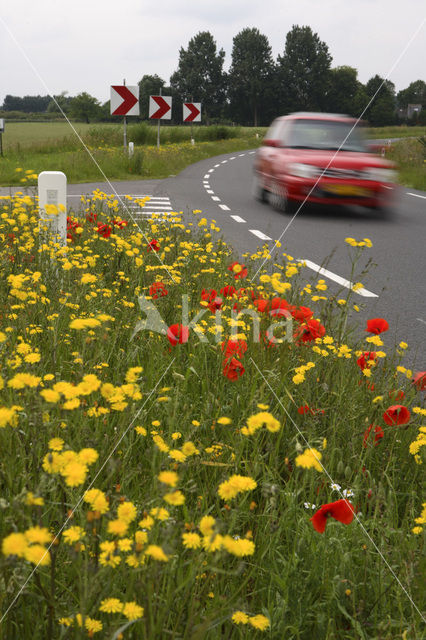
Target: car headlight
302, 170
378, 174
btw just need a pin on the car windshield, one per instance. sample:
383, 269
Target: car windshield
325, 134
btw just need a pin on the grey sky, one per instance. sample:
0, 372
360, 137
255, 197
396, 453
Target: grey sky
87, 45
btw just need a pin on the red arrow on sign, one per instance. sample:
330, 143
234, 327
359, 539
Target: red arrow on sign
193, 111
129, 100
164, 107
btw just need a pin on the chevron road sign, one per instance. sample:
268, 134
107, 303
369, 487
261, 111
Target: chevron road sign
192, 111
124, 100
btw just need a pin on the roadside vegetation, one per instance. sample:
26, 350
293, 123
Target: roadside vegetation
51, 147
155, 485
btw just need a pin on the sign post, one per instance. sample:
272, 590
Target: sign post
124, 102
160, 107
192, 113
1, 135
52, 194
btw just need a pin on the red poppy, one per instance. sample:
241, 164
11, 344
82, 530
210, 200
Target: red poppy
366, 357
153, 246
215, 304
377, 325
104, 230
177, 333
310, 330
396, 415
305, 409
261, 305
234, 347
233, 369
301, 314
378, 435
157, 290
208, 295
280, 303
91, 217
239, 270
396, 395
419, 380
120, 223
228, 291
341, 510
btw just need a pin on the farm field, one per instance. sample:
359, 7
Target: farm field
198, 480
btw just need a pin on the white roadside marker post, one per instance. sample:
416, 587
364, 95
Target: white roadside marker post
131, 149
52, 195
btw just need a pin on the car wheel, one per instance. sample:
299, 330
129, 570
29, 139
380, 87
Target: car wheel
258, 190
278, 198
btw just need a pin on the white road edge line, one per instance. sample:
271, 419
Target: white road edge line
224, 207
338, 279
416, 195
238, 219
259, 234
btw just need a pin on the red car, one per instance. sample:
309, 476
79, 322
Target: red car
322, 158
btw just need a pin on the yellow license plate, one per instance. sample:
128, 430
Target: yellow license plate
346, 190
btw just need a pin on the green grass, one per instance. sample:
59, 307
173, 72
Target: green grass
401, 131
331, 586
410, 157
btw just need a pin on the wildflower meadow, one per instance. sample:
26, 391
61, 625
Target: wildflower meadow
248, 471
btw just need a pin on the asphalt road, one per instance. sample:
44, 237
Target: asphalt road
394, 283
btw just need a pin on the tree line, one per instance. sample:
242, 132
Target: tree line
256, 88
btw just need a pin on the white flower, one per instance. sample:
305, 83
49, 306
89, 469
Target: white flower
348, 493
335, 487
309, 505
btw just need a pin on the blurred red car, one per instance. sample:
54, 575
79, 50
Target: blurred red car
323, 158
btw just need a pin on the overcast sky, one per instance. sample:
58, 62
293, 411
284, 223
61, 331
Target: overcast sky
87, 45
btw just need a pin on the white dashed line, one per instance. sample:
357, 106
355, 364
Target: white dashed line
224, 161
251, 152
259, 234
210, 192
215, 198
206, 181
224, 207
207, 176
238, 219
421, 320
217, 165
210, 171
233, 158
338, 279
241, 155
416, 195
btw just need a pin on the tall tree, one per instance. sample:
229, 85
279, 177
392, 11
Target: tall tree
382, 110
415, 93
200, 74
343, 88
85, 107
250, 79
303, 71
148, 86
62, 100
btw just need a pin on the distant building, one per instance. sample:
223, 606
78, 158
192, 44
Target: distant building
413, 110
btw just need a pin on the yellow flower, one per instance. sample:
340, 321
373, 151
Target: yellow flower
39, 535
170, 478
176, 498
141, 430
97, 500
118, 527
73, 534
50, 395
87, 455
206, 525
15, 544
126, 512
111, 605
22, 380
132, 611
159, 513
310, 459
239, 617
74, 473
403, 345
191, 540
259, 622
262, 419
157, 553
239, 547
132, 374
224, 420
37, 554
235, 485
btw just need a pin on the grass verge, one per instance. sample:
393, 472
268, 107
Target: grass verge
200, 464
